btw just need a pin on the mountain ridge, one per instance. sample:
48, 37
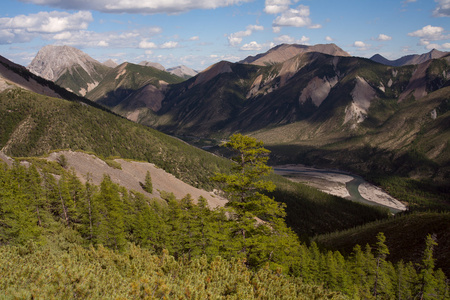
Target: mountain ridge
284, 52
413, 59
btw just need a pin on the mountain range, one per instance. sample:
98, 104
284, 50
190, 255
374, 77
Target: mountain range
317, 101
390, 124
413, 59
79, 73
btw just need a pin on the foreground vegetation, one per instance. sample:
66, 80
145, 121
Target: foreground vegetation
64, 239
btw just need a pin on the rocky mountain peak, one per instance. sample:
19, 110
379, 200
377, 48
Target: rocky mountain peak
182, 71
68, 67
110, 63
52, 61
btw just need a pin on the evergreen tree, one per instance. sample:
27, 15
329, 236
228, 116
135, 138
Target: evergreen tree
382, 282
428, 282
110, 229
147, 185
245, 188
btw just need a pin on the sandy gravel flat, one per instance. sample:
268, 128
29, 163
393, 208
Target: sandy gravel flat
335, 183
375, 194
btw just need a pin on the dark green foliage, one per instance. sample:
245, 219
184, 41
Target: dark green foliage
147, 185
45, 221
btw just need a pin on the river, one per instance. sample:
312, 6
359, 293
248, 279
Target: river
342, 184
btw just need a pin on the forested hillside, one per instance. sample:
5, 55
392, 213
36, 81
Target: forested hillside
61, 238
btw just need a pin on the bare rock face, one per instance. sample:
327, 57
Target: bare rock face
53, 61
362, 95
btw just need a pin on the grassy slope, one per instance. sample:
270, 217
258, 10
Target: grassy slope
125, 79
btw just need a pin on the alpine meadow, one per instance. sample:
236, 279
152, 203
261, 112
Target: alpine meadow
302, 172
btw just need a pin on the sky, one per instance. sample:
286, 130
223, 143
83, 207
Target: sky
199, 33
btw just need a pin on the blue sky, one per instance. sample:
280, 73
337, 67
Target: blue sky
198, 33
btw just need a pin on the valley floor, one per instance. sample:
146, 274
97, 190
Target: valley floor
340, 184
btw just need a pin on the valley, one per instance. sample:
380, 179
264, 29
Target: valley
160, 177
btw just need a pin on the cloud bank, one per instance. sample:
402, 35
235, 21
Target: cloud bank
138, 7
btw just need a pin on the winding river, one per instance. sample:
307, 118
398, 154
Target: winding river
342, 184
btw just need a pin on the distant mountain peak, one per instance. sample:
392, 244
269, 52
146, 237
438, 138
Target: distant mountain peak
152, 64
283, 52
52, 61
69, 67
182, 71
110, 63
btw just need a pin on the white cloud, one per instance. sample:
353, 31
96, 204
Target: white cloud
62, 36
169, 45
329, 39
298, 17
276, 6
446, 46
194, 38
252, 46
383, 37
235, 39
428, 34
48, 22
49, 25
103, 44
286, 39
144, 44
138, 7
361, 45
442, 9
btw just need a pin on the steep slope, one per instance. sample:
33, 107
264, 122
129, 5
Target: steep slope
125, 80
284, 52
68, 67
414, 59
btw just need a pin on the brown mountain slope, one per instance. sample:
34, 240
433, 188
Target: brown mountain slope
284, 52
